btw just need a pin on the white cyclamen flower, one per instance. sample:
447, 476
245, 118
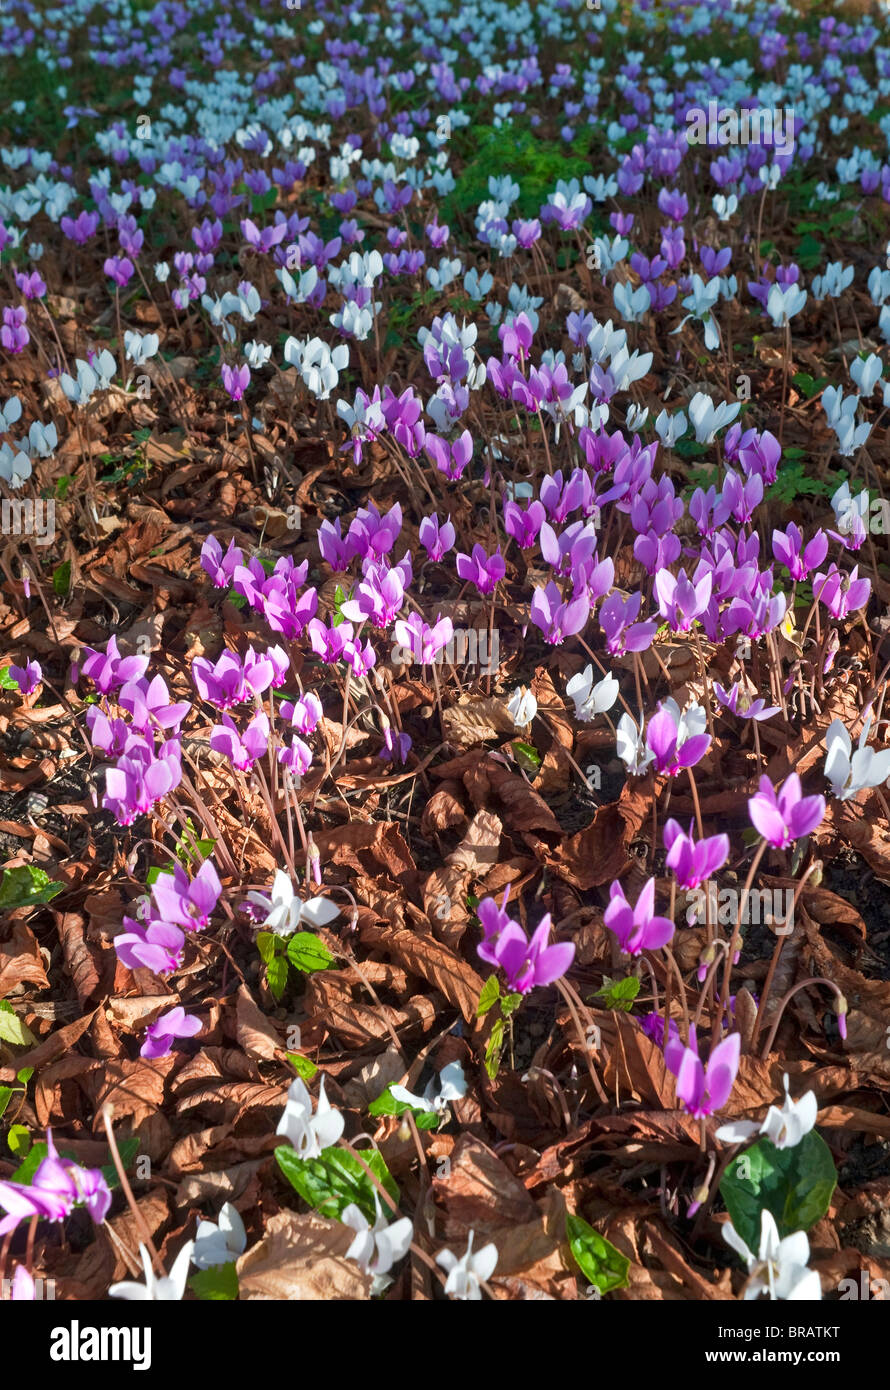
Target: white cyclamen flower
377, 1248
522, 707
219, 1244
309, 1134
591, 699
850, 772
631, 747
285, 910
780, 1266
465, 1275
784, 1128
450, 1084
157, 1289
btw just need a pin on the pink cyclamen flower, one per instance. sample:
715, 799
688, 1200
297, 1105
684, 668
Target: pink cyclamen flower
677, 740
58, 1186
160, 1035
703, 1089
787, 815
109, 669
556, 619
244, 750
841, 593
693, 861
637, 928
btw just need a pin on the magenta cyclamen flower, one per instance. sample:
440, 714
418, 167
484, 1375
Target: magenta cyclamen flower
57, 1187
220, 567
160, 1035
236, 380
693, 861
703, 1089
637, 928
186, 902
785, 816
799, 562
158, 946
422, 641
681, 601
524, 963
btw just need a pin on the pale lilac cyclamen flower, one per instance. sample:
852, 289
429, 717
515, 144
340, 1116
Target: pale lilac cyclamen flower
703, 1088
738, 702
787, 815
637, 928
841, 593
159, 1036
693, 861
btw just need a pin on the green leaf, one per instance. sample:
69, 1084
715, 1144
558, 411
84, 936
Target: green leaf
493, 1049
794, 1184
598, 1260
6, 680
269, 946
26, 886
491, 992
386, 1104
335, 1179
6, 1095
19, 1140
276, 974
62, 578
24, 1075
12, 1029
510, 1003
218, 1283
305, 952
302, 1065
527, 755
619, 994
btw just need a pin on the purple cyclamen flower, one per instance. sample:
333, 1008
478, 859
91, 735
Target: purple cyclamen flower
159, 1036
236, 380
787, 550
677, 740
242, 750
785, 816
616, 617
748, 709
422, 641
556, 619
304, 714
681, 601
222, 682
57, 1187
148, 702
120, 269
141, 777
27, 678
637, 928
297, 758
703, 1089
841, 593
156, 945
693, 861
396, 747
220, 567
437, 537
485, 571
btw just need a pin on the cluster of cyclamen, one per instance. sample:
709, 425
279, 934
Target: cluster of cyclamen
57, 1187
